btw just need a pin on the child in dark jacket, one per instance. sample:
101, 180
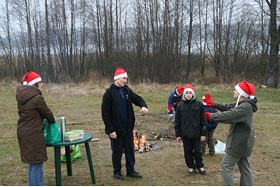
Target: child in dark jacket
175, 98
190, 128
210, 127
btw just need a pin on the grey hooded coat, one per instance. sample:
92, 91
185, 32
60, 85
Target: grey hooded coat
240, 140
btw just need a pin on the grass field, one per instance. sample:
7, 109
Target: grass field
80, 104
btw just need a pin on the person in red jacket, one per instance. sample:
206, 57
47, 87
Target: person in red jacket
32, 109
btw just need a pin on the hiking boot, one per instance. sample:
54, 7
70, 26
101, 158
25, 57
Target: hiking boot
134, 174
191, 171
202, 171
119, 176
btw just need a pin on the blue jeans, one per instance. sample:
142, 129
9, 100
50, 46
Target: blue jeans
35, 174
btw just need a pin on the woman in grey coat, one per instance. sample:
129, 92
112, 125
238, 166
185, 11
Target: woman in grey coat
32, 109
240, 140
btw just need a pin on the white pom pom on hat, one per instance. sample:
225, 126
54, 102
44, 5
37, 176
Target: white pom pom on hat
246, 89
207, 98
31, 78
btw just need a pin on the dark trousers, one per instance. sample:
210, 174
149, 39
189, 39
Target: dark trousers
192, 153
123, 144
210, 141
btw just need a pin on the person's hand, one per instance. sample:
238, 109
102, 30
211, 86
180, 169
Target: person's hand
202, 138
207, 115
113, 135
171, 117
144, 110
210, 103
178, 138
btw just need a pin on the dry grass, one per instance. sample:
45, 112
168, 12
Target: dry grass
80, 104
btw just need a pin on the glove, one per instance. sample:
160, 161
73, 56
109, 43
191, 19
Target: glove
207, 115
171, 117
210, 103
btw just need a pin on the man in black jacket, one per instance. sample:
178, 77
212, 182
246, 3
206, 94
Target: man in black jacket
118, 117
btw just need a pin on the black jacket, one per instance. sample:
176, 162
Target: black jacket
211, 124
110, 112
189, 119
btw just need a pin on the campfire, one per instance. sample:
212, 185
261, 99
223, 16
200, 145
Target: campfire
140, 143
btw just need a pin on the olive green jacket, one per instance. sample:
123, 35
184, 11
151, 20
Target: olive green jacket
240, 140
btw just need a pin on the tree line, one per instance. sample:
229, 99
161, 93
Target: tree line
154, 40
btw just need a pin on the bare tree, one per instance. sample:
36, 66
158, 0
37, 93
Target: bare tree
218, 16
75, 38
189, 37
50, 69
272, 72
6, 42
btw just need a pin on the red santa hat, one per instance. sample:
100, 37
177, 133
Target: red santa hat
31, 78
179, 90
189, 88
207, 98
120, 73
246, 89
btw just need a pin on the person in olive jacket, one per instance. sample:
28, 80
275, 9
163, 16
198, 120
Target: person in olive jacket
240, 140
32, 109
118, 117
190, 128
